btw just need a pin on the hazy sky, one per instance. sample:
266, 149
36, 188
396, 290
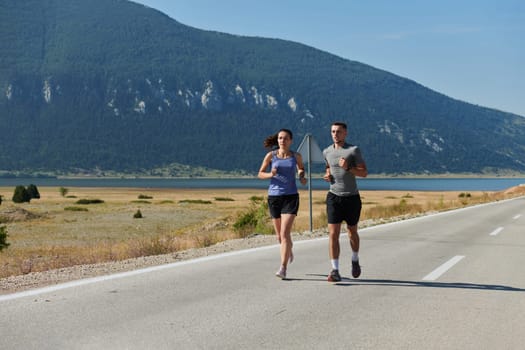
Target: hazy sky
471, 50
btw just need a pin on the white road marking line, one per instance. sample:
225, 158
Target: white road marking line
91, 280
434, 275
35, 292
86, 281
496, 231
517, 216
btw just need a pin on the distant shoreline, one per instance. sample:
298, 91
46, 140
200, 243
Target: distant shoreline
233, 177
421, 183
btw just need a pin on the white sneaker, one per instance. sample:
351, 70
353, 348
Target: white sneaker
281, 273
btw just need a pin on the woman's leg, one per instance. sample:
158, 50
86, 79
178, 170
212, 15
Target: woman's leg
286, 238
277, 228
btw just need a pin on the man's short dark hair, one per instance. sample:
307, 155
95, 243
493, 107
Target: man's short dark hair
339, 124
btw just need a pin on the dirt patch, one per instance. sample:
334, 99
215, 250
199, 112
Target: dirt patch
17, 214
516, 190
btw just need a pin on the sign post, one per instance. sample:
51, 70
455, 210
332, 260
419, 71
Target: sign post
311, 153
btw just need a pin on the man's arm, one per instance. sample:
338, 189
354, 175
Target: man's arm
359, 170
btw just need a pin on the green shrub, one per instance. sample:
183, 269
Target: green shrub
224, 199
1, 199
75, 209
21, 195
89, 201
143, 196
33, 191
245, 222
141, 201
138, 214
464, 198
3, 238
255, 219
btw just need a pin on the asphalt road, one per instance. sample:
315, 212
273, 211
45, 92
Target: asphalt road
454, 280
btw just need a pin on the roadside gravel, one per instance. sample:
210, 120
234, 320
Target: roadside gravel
35, 280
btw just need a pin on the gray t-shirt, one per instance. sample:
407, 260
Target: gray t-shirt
344, 183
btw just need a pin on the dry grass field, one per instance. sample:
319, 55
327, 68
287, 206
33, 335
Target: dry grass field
54, 231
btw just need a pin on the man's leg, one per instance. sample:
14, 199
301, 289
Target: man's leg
354, 238
354, 244
333, 237
334, 250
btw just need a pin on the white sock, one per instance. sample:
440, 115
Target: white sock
355, 256
335, 264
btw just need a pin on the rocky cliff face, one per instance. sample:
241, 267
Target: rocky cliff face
109, 84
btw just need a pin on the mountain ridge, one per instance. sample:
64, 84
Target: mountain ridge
119, 86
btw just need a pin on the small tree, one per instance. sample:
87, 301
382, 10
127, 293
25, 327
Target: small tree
63, 191
3, 238
1, 199
21, 195
33, 191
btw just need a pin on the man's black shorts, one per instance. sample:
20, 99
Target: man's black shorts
285, 204
339, 209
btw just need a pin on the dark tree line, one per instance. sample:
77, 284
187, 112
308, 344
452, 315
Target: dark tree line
25, 194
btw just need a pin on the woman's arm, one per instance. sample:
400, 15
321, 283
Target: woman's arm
300, 168
263, 174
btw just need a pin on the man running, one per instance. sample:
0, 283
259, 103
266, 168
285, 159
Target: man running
343, 202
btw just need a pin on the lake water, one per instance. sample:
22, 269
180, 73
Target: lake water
398, 184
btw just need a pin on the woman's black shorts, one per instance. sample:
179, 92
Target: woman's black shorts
339, 209
285, 204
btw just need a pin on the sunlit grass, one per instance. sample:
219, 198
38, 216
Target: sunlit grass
57, 234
